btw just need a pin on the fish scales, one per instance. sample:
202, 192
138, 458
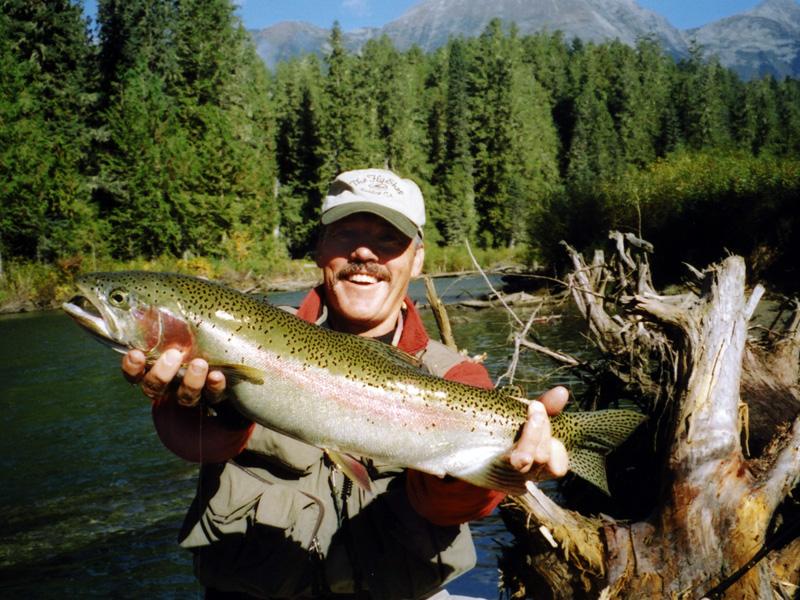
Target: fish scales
337, 391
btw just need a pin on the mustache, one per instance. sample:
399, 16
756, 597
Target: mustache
361, 268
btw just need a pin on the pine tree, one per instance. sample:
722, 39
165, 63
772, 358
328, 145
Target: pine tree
705, 115
142, 177
47, 97
206, 186
788, 107
346, 125
299, 150
134, 34
633, 106
535, 173
594, 146
455, 218
491, 89
393, 85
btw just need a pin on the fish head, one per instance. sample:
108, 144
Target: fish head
132, 310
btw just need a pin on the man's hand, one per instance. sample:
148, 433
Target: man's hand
156, 383
536, 452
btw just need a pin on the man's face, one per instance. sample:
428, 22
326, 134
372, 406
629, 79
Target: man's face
367, 265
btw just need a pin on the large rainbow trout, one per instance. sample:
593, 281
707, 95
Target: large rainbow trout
348, 395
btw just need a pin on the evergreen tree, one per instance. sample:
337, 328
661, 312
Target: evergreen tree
788, 107
491, 89
134, 34
299, 150
634, 103
455, 218
594, 146
346, 124
393, 81
23, 157
704, 112
221, 92
535, 173
47, 97
142, 177
206, 186
759, 118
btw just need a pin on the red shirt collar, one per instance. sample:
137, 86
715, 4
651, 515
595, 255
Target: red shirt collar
413, 338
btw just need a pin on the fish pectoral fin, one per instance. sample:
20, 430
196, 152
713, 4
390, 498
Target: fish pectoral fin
589, 465
351, 467
237, 373
496, 474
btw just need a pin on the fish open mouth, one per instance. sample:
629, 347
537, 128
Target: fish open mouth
89, 316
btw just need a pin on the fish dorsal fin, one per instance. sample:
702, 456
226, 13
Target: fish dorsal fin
352, 468
589, 465
512, 390
394, 353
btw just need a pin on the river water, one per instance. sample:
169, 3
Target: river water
90, 502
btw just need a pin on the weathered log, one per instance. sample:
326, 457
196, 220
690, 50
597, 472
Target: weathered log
690, 361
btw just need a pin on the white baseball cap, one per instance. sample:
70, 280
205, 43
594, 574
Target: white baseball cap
379, 192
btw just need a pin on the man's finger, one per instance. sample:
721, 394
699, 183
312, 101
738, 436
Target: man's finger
133, 364
193, 381
559, 459
215, 387
157, 379
555, 399
533, 432
541, 453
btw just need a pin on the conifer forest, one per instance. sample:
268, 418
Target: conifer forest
158, 131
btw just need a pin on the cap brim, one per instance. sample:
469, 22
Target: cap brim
398, 220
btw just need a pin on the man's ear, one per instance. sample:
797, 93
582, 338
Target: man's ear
419, 260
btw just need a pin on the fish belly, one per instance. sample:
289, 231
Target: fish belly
388, 425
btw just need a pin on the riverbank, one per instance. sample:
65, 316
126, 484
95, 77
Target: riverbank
34, 286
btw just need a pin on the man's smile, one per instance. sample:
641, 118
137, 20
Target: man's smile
362, 278
364, 274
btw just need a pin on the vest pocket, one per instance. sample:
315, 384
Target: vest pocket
256, 535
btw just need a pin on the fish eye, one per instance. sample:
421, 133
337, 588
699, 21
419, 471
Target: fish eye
118, 297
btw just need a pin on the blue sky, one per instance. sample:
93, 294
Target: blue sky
352, 14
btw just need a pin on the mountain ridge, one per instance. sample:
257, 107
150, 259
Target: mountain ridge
764, 40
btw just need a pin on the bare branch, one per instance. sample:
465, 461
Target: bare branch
752, 302
785, 473
489, 283
559, 356
440, 314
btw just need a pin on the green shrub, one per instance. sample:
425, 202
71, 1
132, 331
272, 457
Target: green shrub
694, 207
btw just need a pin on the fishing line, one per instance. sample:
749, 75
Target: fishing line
779, 540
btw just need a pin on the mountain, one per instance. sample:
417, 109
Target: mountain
284, 40
431, 22
763, 40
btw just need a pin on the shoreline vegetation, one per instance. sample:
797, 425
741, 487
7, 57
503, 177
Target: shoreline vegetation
29, 286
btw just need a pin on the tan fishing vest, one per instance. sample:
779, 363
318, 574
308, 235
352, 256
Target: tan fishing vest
279, 521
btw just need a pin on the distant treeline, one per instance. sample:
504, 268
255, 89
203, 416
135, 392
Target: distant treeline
159, 131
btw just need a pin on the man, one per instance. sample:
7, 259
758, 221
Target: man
272, 517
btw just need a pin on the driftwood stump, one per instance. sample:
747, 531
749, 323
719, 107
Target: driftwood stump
724, 447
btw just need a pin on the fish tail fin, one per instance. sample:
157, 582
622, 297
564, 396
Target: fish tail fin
594, 435
591, 466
